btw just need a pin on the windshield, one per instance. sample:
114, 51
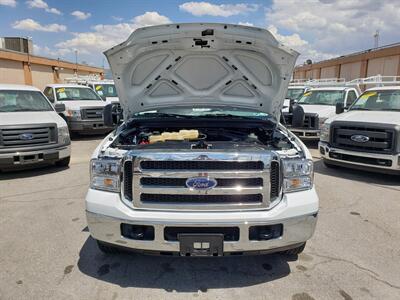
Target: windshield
106, 90
13, 101
322, 97
388, 100
76, 93
204, 112
294, 94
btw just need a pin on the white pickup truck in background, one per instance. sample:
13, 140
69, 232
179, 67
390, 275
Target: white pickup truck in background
83, 107
31, 131
317, 105
367, 136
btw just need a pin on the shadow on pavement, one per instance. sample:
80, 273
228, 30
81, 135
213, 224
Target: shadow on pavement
357, 175
180, 274
88, 137
34, 170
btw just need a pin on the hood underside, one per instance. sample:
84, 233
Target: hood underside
201, 65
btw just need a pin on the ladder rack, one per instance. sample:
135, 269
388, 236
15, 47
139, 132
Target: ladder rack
377, 80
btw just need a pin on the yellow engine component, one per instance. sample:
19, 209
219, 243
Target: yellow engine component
175, 136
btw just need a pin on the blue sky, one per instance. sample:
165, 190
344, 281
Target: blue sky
317, 29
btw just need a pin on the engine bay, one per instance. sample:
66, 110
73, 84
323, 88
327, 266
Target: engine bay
212, 136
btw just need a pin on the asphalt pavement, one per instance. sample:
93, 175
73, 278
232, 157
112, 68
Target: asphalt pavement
46, 251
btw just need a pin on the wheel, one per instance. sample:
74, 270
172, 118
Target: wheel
63, 162
107, 248
294, 251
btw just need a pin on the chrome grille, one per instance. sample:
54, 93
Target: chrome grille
27, 136
92, 113
159, 181
380, 139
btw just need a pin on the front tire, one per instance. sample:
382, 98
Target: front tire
63, 162
107, 248
295, 251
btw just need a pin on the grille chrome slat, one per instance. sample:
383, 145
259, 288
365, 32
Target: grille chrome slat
181, 182
214, 174
214, 191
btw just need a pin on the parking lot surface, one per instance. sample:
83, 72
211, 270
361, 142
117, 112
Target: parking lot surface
46, 251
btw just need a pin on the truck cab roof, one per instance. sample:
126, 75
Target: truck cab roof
20, 87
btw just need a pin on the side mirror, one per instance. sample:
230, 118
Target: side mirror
59, 107
292, 102
339, 108
298, 116
112, 114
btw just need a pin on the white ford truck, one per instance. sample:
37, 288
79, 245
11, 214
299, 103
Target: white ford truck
367, 136
84, 107
201, 165
31, 131
318, 104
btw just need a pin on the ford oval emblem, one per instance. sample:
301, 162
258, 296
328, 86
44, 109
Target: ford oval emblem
26, 136
201, 183
359, 138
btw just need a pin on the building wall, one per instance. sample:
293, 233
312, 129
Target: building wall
41, 76
11, 72
328, 72
384, 66
350, 71
21, 68
383, 61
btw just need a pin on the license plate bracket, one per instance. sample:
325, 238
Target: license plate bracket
201, 244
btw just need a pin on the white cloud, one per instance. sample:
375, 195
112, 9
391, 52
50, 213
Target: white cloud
295, 42
42, 5
104, 36
246, 23
46, 51
80, 15
336, 27
222, 10
116, 18
32, 25
12, 3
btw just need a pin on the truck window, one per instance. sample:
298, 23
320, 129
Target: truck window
17, 100
48, 92
351, 97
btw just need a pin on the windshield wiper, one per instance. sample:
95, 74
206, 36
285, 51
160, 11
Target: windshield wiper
360, 108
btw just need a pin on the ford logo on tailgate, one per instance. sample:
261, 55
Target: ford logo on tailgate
201, 183
359, 138
26, 136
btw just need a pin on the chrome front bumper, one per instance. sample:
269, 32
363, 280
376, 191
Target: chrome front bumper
325, 149
306, 134
297, 212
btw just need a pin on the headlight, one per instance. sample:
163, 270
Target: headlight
298, 174
105, 174
74, 113
321, 122
324, 135
63, 135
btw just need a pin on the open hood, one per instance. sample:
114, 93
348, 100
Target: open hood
201, 65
